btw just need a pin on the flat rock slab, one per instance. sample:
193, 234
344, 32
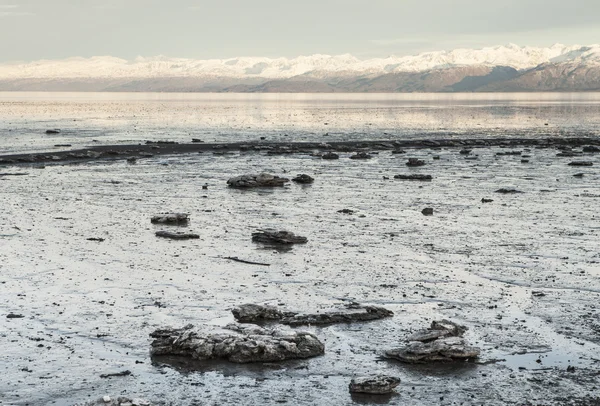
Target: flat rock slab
237, 343
176, 235
441, 342
414, 177
351, 313
278, 237
375, 385
170, 218
507, 191
258, 180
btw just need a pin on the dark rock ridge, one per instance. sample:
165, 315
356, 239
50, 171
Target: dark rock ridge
441, 342
115, 152
278, 237
176, 235
236, 343
170, 218
375, 385
259, 180
353, 312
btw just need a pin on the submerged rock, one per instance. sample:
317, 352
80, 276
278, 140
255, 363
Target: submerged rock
414, 177
303, 178
259, 180
375, 385
176, 235
277, 237
581, 163
170, 218
441, 342
415, 162
236, 343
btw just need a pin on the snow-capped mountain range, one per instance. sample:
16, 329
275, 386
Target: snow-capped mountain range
324, 72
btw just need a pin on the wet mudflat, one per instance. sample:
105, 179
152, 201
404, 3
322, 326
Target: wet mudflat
80, 261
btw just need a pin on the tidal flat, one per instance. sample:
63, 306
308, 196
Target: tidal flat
80, 262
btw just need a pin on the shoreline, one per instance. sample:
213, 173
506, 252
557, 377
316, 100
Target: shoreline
152, 148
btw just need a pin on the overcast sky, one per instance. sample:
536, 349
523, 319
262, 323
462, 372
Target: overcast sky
203, 29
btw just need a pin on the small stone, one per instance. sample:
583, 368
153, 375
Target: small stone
170, 218
420, 177
106, 399
428, 211
415, 162
330, 155
277, 237
508, 191
581, 163
176, 235
303, 178
361, 155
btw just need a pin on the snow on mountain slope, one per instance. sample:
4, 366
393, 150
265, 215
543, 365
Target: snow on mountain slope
282, 68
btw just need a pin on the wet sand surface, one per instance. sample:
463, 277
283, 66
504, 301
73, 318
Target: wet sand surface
522, 273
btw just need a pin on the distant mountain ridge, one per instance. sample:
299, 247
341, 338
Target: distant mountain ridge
501, 68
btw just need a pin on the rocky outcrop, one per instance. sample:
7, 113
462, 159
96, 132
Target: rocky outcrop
170, 218
441, 342
236, 343
259, 180
375, 385
353, 312
277, 237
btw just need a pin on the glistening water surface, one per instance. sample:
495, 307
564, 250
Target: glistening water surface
117, 118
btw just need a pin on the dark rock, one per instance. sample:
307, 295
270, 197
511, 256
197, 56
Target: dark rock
508, 191
398, 151
428, 211
508, 153
578, 175
303, 178
414, 177
277, 237
484, 200
122, 373
346, 211
259, 180
176, 235
524, 161
376, 385
161, 142
330, 155
237, 343
170, 218
415, 162
62, 145
465, 151
436, 157
361, 155
132, 160
55, 131
581, 163
14, 316
97, 239
196, 140
438, 329
591, 148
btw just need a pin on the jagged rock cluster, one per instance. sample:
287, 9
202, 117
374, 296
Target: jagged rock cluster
237, 343
375, 385
441, 342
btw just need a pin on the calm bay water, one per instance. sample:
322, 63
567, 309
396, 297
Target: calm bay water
120, 118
